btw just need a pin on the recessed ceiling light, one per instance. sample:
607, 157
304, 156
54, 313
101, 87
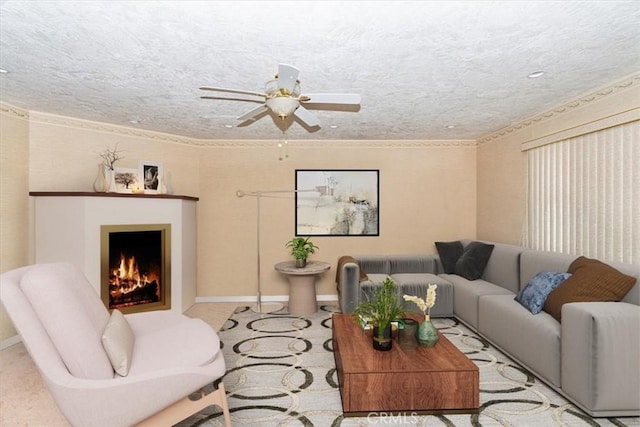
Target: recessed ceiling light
450, 126
134, 121
536, 74
3, 71
228, 126
334, 126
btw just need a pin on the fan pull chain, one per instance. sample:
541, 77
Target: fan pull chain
283, 145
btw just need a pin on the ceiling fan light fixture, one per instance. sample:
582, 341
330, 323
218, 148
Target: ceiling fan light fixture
283, 106
272, 89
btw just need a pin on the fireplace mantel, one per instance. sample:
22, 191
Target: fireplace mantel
67, 228
90, 194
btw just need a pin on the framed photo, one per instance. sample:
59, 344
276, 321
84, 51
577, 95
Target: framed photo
150, 174
126, 179
337, 202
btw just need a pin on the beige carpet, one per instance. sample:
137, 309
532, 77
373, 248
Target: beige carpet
24, 399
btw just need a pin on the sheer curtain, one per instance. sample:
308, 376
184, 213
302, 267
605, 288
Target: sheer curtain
584, 195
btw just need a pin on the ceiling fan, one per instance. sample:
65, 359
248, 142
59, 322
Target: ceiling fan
282, 96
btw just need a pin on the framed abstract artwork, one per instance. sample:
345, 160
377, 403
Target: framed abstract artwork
337, 202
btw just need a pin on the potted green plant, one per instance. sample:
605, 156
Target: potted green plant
379, 311
300, 249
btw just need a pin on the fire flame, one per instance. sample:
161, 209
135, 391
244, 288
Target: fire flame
126, 277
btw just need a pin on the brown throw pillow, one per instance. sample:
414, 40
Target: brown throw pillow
591, 280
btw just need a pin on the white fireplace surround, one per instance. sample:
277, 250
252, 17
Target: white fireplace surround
67, 228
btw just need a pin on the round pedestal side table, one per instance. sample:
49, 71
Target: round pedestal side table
302, 285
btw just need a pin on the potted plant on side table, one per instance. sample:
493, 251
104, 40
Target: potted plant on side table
300, 249
379, 311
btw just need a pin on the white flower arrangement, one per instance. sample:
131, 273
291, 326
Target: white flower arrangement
424, 304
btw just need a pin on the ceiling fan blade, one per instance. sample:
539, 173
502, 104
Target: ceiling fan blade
224, 98
287, 76
245, 92
253, 113
331, 98
306, 116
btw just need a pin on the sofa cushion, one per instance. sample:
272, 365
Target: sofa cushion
449, 253
532, 340
73, 316
591, 280
473, 260
535, 293
466, 294
416, 284
118, 341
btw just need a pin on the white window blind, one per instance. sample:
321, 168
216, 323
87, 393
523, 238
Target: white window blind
584, 195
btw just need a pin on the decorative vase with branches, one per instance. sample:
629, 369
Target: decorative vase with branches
426, 334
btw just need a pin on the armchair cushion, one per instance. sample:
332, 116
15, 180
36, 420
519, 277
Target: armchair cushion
118, 341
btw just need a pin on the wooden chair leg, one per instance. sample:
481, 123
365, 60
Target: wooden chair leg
186, 407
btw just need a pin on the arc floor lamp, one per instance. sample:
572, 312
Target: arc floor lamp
259, 194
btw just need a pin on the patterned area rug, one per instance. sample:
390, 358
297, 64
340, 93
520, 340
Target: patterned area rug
281, 372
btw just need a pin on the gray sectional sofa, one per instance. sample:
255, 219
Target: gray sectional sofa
592, 356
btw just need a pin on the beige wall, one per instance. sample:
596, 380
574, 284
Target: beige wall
14, 200
502, 168
427, 192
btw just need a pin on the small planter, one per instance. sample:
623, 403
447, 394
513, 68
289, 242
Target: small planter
301, 263
384, 344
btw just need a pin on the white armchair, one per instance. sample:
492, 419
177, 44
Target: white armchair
164, 357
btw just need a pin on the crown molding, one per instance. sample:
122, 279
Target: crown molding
596, 95
351, 143
14, 111
71, 122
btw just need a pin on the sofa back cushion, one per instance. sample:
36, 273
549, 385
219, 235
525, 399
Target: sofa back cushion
374, 264
411, 264
73, 316
533, 262
503, 267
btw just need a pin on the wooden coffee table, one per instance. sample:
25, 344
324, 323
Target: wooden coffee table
406, 378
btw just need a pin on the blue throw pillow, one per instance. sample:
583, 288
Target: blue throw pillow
535, 293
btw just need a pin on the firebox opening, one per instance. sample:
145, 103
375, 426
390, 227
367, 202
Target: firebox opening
135, 273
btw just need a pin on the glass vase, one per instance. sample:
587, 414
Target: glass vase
427, 334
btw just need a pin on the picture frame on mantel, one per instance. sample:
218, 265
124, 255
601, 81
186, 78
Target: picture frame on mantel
126, 179
150, 173
337, 202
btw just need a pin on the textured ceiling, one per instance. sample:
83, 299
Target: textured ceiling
419, 66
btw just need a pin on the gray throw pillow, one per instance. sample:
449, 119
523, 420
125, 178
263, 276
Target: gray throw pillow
473, 260
449, 253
